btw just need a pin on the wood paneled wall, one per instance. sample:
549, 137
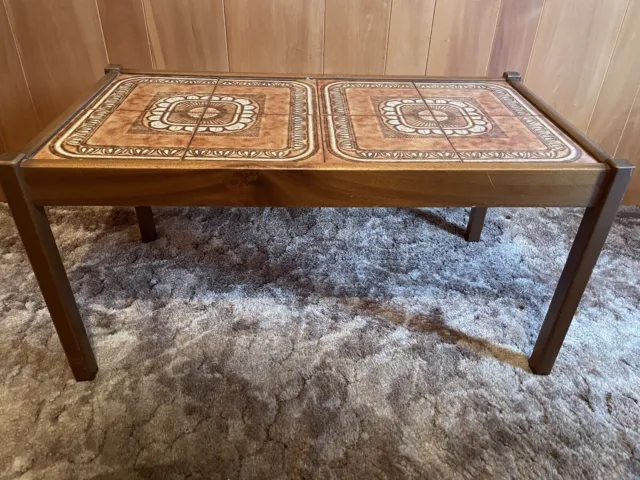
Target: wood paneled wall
579, 55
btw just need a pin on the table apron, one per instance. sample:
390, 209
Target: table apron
314, 187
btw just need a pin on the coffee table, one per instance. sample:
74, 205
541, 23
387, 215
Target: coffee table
175, 139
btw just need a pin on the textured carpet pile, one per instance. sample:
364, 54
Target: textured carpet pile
320, 343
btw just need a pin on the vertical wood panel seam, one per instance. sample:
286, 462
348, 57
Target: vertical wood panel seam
535, 40
433, 22
324, 35
226, 33
606, 72
493, 40
324, 30
104, 39
146, 29
386, 51
19, 52
626, 123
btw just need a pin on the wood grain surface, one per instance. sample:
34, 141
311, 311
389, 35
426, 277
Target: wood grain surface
356, 34
286, 35
515, 35
569, 73
462, 37
61, 47
318, 187
620, 85
187, 35
127, 41
629, 147
409, 36
18, 118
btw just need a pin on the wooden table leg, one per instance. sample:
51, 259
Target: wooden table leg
590, 239
476, 223
39, 243
146, 223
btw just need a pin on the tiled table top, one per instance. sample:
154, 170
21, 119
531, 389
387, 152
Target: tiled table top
357, 122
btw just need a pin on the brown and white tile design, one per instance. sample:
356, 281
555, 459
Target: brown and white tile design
279, 96
365, 138
138, 92
146, 117
380, 122
283, 138
429, 121
525, 139
357, 97
259, 120
493, 98
493, 122
138, 117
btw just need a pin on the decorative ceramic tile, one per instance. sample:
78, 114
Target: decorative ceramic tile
357, 97
146, 117
138, 117
257, 137
138, 92
525, 138
452, 99
272, 97
259, 120
380, 122
367, 138
475, 121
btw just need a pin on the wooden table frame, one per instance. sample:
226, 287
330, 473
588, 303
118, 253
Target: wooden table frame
29, 186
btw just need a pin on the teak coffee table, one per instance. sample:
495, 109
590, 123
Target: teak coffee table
178, 139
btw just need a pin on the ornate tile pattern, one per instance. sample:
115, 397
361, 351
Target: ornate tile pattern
138, 117
259, 120
430, 121
437, 117
380, 121
496, 99
215, 114
372, 139
529, 138
145, 117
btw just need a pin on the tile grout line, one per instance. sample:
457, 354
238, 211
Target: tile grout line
320, 122
540, 115
436, 120
195, 131
311, 117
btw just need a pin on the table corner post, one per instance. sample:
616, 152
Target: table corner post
33, 227
585, 251
113, 67
512, 77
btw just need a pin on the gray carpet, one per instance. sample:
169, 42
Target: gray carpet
308, 343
